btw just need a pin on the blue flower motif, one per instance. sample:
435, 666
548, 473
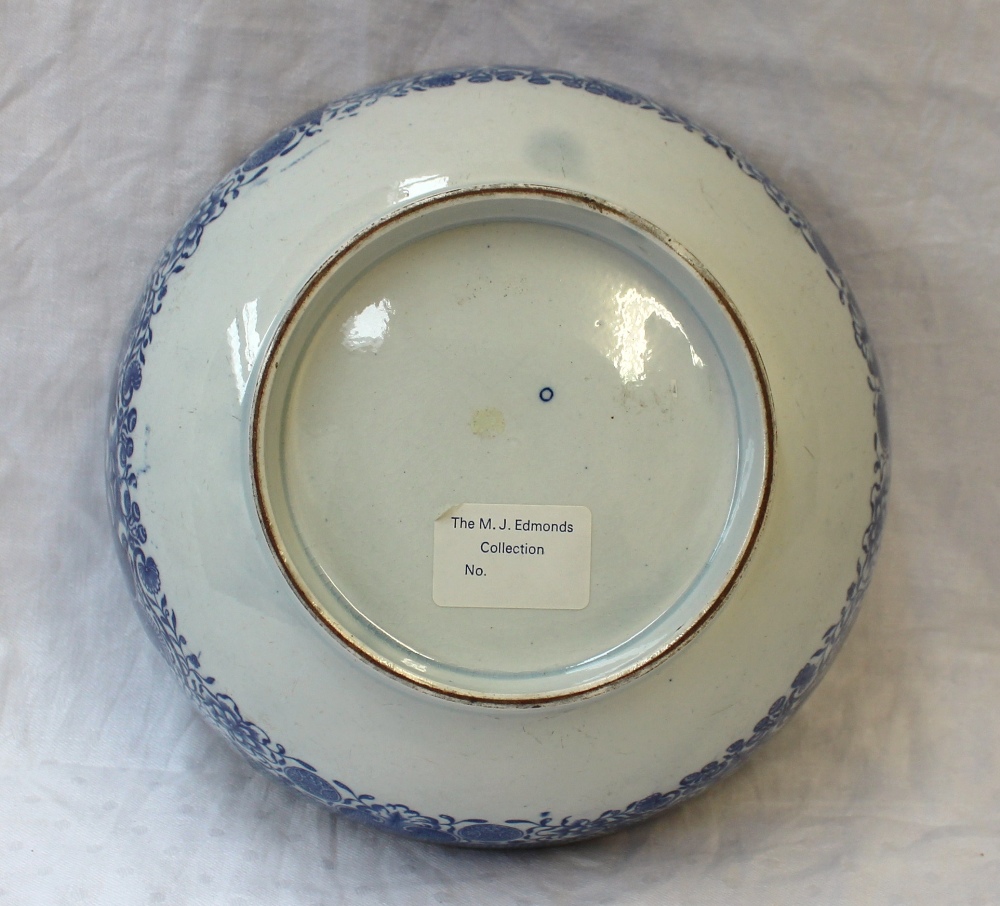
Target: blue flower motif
131, 379
653, 803
393, 816
149, 575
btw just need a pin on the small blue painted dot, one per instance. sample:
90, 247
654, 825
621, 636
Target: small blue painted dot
546, 394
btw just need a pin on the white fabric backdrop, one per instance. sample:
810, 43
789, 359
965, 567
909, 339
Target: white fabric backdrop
881, 121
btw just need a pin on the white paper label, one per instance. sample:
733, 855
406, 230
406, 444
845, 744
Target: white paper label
507, 555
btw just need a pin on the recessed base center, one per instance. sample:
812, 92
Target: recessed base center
520, 349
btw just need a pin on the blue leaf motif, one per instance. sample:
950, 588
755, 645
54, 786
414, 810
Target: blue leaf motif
271, 150
764, 725
804, 677
309, 120
489, 833
708, 772
440, 80
311, 783
620, 94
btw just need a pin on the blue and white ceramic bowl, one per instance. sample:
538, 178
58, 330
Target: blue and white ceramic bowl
497, 457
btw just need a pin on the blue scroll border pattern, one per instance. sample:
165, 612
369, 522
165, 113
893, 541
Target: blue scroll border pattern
161, 621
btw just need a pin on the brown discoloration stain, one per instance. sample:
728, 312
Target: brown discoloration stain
487, 423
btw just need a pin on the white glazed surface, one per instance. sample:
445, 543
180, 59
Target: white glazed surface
430, 379
624, 752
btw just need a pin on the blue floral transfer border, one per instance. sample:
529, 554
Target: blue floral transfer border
161, 621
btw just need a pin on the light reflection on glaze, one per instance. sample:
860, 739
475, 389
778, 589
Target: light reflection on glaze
366, 331
416, 186
631, 347
242, 354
